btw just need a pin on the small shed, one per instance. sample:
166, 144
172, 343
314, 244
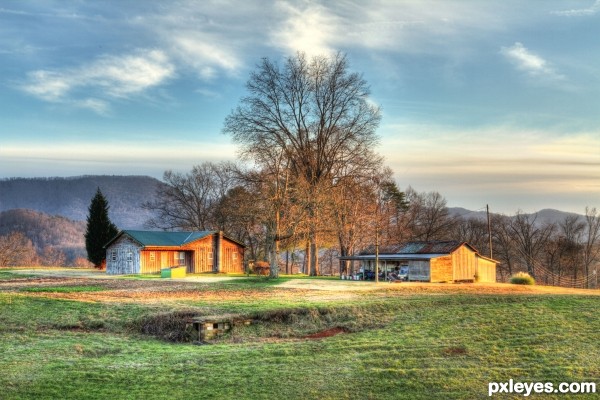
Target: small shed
432, 261
147, 252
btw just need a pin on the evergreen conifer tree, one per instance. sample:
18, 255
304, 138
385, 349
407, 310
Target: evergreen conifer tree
99, 229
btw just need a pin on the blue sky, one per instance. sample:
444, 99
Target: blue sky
486, 102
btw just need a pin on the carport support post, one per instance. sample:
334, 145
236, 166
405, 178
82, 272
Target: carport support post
376, 255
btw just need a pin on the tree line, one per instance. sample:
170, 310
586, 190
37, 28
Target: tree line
242, 203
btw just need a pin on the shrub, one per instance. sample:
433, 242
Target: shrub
522, 278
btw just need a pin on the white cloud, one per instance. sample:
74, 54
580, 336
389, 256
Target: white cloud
207, 37
309, 28
205, 54
98, 106
47, 85
580, 12
127, 75
529, 62
107, 76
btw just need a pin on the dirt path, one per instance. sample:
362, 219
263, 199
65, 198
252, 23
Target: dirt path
96, 274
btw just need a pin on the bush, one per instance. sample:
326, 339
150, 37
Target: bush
522, 278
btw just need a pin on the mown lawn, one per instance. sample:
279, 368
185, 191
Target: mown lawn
414, 346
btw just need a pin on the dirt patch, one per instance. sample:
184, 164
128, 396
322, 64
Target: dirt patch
455, 351
326, 333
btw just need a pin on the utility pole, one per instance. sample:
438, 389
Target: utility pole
487, 207
377, 254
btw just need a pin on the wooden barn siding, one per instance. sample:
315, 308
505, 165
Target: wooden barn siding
441, 269
228, 263
200, 261
486, 270
162, 259
465, 264
121, 266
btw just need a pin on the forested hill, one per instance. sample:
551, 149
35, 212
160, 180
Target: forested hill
70, 197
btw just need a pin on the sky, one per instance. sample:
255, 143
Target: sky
486, 102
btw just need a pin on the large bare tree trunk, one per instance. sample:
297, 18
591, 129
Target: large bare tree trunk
314, 255
307, 258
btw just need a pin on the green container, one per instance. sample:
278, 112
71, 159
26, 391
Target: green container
165, 273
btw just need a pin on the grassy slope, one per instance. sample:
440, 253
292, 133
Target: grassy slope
414, 346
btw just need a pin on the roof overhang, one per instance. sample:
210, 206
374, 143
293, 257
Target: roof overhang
393, 257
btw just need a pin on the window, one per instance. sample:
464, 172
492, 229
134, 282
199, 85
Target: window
152, 256
234, 255
209, 257
180, 258
113, 255
129, 256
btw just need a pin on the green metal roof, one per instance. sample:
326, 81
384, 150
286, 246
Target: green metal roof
153, 238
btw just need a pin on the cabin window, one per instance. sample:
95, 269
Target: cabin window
113, 255
152, 256
130, 256
234, 255
209, 257
180, 258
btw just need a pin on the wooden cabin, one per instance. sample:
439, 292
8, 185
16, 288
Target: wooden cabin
433, 261
147, 252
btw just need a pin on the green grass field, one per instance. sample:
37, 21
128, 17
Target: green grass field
71, 340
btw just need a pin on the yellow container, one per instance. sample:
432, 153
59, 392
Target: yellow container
178, 272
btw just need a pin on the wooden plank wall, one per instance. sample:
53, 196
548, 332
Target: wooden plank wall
203, 259
151, 264
486, 270
441, 269
465, 264
127, 257
232, 257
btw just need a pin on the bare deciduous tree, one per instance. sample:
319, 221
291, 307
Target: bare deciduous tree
530, 238
188, 201
316, 114
591, 245
427, 217
16, 249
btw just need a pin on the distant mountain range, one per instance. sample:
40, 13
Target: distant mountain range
546, 215
70, 197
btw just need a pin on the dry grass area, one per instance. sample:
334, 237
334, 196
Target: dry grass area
111, 289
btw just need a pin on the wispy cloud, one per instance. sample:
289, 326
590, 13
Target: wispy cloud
96, 105
203, 53
529, 62
107, 77
580, 12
